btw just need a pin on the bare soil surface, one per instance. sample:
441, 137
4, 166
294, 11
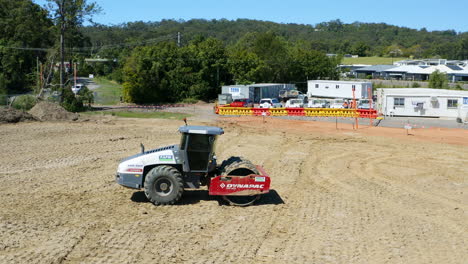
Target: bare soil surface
373, 195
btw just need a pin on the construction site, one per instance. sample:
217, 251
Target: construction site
338, 194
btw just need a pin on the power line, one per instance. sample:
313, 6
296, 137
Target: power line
75, 50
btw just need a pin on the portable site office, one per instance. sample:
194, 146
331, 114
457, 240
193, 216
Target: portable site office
420, 102
338, 89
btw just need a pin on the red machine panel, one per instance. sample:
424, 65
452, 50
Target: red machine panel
252, 184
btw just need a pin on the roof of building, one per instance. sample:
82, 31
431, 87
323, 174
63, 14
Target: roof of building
375, 68
416, 69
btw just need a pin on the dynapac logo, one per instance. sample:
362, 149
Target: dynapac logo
242, 186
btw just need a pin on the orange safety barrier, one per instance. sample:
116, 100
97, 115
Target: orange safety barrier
295, 111
278, 111
367, 113
325, 112
235, 111
261, 111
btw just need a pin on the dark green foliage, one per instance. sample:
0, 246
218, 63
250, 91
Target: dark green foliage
70, 102
438, 80
364, 39
23, 24
79, 102
24, 102
167, 73
85, 96
415, 85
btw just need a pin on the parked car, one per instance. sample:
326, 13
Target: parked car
242, 103
337, 103
291, 103
77, 88
318, 103
364, 104
269, 103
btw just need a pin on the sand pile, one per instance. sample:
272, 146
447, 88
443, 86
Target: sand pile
12, 115
47, 111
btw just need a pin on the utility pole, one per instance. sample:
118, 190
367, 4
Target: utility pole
37, 72
62, 45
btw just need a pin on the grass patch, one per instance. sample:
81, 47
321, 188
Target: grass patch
108, 93
371, 60
131, 114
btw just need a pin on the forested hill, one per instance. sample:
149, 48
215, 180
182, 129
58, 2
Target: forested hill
364, 39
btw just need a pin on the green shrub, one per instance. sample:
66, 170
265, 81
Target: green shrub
190, 100
24, 102
86, 96
3, 96
70, 102
415, 85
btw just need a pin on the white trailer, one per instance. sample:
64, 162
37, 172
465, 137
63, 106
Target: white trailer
423, 102
338, 89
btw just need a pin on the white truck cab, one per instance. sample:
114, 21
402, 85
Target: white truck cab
269, 103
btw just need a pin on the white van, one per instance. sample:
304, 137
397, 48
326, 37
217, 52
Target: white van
337, 103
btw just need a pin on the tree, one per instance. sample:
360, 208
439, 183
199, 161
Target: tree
360, 48
438, 80
266, 53
68, 16
23, 25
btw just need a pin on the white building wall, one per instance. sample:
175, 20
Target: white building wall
432, 104
338, 89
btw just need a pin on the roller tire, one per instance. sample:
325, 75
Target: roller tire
164, 185
229, 166
240, 167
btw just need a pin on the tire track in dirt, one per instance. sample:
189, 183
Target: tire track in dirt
332, 213
408, 207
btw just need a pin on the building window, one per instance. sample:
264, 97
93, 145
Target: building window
399, 101
337, 86
316, 86
354, 87
452, 103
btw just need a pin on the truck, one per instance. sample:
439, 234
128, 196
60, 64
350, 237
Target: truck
224, 99
256, 92
285, 95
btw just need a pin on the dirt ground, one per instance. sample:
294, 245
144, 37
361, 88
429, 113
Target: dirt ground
374, 195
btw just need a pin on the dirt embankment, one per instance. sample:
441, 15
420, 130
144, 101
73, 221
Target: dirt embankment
42, 111
11, 115
46, 111
339, 196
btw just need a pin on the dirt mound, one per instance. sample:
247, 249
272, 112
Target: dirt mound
47, 111
11, 115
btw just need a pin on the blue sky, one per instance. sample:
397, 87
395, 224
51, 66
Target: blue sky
430, 14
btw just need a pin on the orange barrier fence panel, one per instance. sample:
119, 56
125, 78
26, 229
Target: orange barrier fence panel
295, 111
278, 112
261, 111
367, 113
